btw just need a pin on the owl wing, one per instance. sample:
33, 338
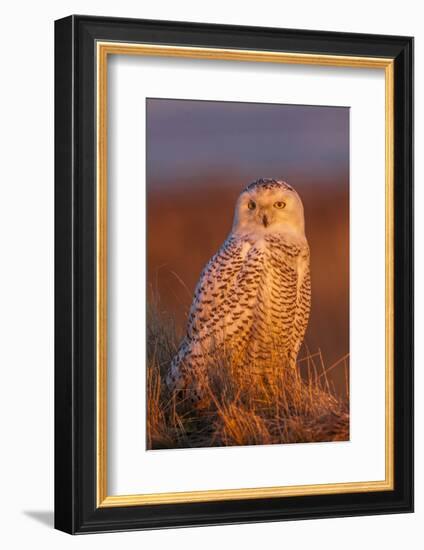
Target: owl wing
210, 310
213, 294
303, 301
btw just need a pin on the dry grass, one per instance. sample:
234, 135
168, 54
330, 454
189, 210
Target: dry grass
243, 406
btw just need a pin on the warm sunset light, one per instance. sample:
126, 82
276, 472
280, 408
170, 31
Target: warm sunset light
239, 369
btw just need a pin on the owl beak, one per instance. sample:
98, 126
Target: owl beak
265, 221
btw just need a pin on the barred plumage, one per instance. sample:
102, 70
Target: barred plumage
253, 297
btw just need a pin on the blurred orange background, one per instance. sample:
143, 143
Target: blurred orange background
201, 155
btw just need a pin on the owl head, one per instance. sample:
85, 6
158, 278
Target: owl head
269, 206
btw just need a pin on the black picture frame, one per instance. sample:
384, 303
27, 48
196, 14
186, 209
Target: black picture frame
76, 508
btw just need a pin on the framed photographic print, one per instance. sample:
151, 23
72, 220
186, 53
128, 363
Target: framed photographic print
234, 274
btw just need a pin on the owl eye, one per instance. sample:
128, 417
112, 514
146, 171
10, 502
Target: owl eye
251, 205
279, 204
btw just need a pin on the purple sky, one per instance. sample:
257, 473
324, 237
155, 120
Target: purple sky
186, 137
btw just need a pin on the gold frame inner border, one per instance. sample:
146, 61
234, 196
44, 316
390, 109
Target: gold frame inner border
103, 50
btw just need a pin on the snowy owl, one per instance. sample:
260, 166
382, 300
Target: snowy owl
253, 297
